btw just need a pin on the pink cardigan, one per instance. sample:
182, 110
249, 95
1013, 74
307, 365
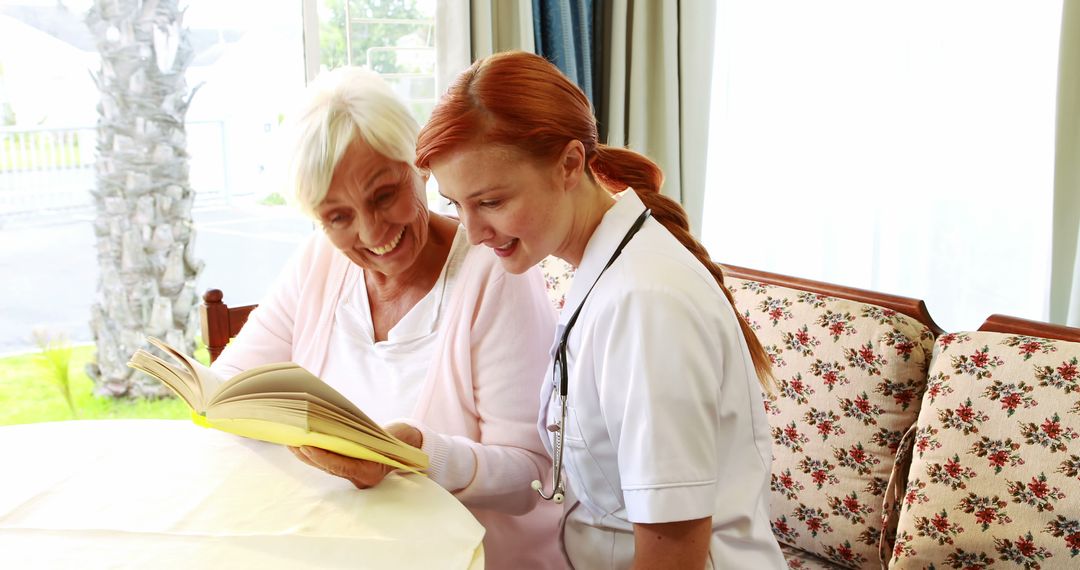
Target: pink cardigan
478, 406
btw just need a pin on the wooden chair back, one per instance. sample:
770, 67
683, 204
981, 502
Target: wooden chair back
914, 308
220, 322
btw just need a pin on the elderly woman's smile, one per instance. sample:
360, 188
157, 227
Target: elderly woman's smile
375, 212
385, 249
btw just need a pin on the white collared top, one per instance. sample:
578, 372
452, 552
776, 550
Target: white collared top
386, 377
665, 418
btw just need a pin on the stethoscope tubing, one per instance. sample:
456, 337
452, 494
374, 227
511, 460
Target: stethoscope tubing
558, 490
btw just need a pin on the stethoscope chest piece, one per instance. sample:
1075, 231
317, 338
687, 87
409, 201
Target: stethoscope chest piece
556, 497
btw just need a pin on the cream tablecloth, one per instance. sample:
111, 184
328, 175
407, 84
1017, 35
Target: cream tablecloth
170, 494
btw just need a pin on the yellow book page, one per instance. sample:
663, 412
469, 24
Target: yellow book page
179, 381
295, 437
206, 381
234, 405
326, 423
310, 417
271, 405
284, 378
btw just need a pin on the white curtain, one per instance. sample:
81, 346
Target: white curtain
466, 30
655, 64
901, 147
1065, 273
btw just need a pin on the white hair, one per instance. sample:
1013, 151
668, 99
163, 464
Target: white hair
340, 105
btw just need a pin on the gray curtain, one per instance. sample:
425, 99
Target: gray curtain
1065, 260
652, 70
654, 75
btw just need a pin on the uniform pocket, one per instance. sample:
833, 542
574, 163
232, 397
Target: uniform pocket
591, 458
589, 546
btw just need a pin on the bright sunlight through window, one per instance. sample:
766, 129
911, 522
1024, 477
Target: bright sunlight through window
902, 147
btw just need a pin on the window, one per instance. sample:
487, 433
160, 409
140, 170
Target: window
396, 39
393, 38
248, 70
901, 147
247, 67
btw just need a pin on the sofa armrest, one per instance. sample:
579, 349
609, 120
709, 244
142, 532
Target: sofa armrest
1016, 325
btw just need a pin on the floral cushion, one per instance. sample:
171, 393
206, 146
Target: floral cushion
802, 560
995, 473
558, 275
850, 377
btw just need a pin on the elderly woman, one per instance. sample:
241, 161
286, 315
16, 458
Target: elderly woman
391, 306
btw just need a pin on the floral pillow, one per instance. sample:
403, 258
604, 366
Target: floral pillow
995, 473
558, 275
850, 380
801, 560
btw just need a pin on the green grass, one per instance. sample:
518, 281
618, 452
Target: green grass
29, 395
39, 150
273, 199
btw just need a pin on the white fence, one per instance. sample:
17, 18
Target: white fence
45, 170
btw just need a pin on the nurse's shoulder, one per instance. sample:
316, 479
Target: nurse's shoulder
655, 261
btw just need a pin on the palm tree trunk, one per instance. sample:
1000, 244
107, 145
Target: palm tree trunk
145, 236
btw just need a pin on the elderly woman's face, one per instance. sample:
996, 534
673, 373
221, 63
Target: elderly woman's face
375, 211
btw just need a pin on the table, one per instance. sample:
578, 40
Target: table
170, 494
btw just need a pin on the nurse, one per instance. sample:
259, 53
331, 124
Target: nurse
653, 410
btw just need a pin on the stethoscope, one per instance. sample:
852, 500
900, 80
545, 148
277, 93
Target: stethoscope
558, 491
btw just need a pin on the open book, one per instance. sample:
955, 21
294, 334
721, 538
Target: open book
280, 403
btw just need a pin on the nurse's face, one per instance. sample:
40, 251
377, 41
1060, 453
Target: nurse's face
506, 201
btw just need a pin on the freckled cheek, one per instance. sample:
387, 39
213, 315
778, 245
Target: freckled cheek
525, 224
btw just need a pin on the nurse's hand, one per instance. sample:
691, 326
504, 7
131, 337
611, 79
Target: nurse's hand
359, 472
